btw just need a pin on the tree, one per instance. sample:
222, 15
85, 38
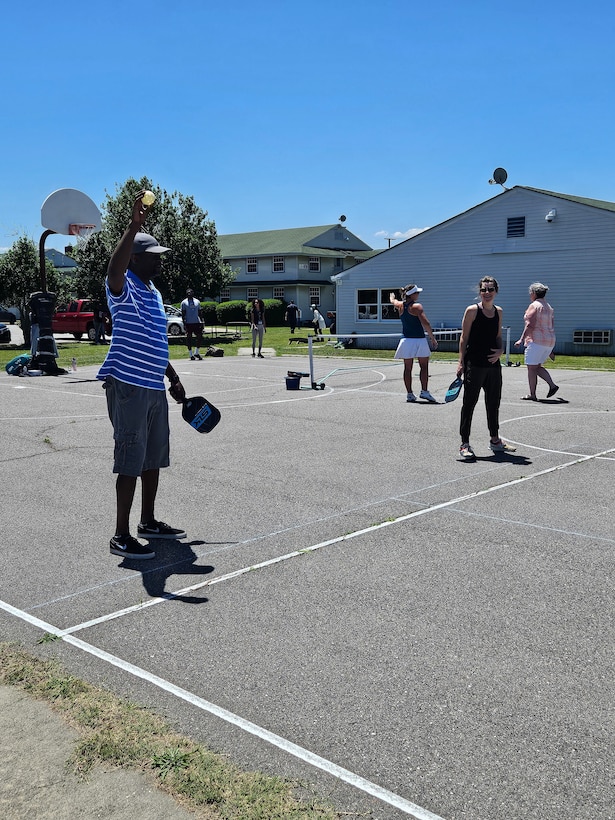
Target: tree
20, 276
178, 223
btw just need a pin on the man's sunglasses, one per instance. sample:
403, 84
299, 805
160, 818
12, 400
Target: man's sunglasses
487, 290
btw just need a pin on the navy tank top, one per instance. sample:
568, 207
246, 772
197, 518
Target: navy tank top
411, 326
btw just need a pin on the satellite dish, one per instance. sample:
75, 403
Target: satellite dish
342, 218
499, 177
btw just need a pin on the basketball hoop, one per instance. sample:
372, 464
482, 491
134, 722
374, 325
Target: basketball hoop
80, 229
70, 213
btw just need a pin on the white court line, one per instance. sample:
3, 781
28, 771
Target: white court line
54, 418
278, 741
549, 415
330, 542
519, 523
308, 394
216, 550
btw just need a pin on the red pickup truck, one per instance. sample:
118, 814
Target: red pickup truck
76, 318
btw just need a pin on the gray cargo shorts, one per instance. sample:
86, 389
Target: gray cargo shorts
140, 419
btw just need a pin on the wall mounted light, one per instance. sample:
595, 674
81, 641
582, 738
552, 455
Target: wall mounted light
551, 215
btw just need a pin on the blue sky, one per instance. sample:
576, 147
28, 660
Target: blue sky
280, 114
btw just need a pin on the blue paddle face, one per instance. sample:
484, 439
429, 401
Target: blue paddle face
200, 414
454, 390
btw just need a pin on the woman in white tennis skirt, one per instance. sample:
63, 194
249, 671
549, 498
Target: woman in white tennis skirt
414, 345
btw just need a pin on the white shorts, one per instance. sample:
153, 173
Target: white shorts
412, 349
537, 354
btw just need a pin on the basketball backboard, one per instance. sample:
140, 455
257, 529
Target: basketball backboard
68, 211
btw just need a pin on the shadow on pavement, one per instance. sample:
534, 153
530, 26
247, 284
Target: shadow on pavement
172, 558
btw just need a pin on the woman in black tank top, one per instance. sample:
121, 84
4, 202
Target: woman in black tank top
480, 348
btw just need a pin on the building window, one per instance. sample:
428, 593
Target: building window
314, 296
278, 264
251, 264
278, 293
251, 293
339, 263
315, 263
367, 304
375, 304
591, 337
225, 294
515, 226
387, 311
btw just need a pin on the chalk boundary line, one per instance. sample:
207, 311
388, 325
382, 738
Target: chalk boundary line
329, 542
280, 742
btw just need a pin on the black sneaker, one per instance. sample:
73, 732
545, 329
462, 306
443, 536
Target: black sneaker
158, 529
129, 547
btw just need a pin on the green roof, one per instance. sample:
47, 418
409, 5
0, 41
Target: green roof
582, 200
321, 240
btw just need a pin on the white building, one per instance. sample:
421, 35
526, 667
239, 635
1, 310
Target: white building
520, 236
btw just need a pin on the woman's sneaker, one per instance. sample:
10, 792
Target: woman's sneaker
158, 529
410, 397
466, 452
129, 547
425, 394
500, 446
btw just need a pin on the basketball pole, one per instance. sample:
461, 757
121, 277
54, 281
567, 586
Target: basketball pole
41, 259
311, 358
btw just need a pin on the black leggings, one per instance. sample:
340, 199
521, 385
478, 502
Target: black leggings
490, 379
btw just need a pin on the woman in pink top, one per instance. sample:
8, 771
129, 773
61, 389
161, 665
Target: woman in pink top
539, 339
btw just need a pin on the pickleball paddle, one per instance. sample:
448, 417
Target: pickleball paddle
454, 390
200, 414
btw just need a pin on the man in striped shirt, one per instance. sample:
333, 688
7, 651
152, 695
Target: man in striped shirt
133, 373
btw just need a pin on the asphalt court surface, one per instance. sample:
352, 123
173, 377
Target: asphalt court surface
353, 606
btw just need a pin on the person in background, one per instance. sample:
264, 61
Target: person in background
480, 348
291, 315
133, 373
318, 322
99, 323
258, 325
331, 318
415, 325
192, 317
539, 339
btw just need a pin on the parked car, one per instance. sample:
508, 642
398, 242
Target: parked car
175, 326
5, 334
10, 315
77, 318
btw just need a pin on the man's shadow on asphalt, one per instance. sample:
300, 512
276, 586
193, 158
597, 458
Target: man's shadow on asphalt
500, 458
172, 558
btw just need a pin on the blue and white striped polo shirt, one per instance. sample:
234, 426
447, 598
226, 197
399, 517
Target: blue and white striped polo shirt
139, 351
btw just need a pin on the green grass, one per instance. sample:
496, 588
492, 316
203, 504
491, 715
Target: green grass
277, 338
116, 732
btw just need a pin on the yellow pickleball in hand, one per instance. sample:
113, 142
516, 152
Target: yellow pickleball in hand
148, 198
